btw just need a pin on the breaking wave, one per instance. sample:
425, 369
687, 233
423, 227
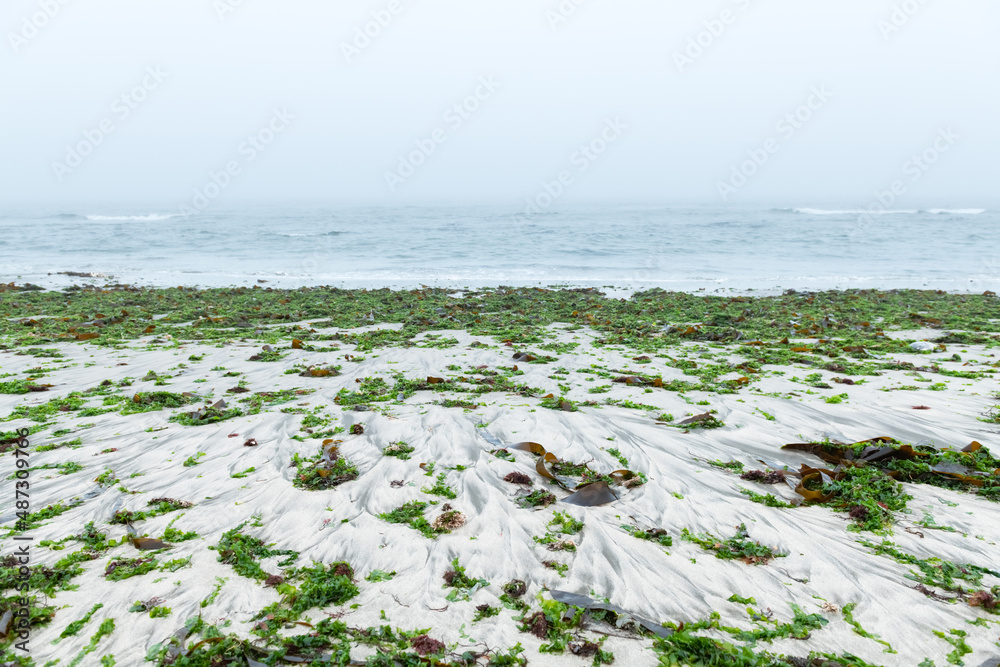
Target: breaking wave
152, 217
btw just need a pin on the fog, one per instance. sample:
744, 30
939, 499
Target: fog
736, 102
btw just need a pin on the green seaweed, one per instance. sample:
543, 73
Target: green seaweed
561, 524
322, 471
848, 612
243, 551
737, 547
77, 625
440, 488
657, 535
412, 514
462, 585
157, 506
322, 586
400, 450
767, 499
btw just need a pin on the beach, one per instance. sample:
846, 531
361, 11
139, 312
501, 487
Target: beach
506, 475
459, 334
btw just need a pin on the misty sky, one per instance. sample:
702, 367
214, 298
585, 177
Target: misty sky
674, 126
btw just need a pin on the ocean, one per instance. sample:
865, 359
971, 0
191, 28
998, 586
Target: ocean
675, 248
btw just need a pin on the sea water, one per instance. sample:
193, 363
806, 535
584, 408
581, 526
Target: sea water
675, 248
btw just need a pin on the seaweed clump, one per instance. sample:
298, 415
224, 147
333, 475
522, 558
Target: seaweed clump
412, 514
325, 470
738, 547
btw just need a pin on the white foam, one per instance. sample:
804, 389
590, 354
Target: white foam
152, 217
957, 211
934, 211
821, 211
308, 234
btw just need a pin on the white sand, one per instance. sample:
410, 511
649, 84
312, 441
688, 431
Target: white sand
824, 563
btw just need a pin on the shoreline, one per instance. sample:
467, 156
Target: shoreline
683, 393
618, 287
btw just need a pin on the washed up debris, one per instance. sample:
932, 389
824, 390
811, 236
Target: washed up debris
207, 415
147, 605
149, 544
590, 490
518, 478
623, 617
598, 493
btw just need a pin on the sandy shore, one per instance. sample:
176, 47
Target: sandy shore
315, 464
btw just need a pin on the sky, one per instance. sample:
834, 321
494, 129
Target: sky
398, 102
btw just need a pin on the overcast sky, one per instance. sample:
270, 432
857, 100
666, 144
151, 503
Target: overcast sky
676, 117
